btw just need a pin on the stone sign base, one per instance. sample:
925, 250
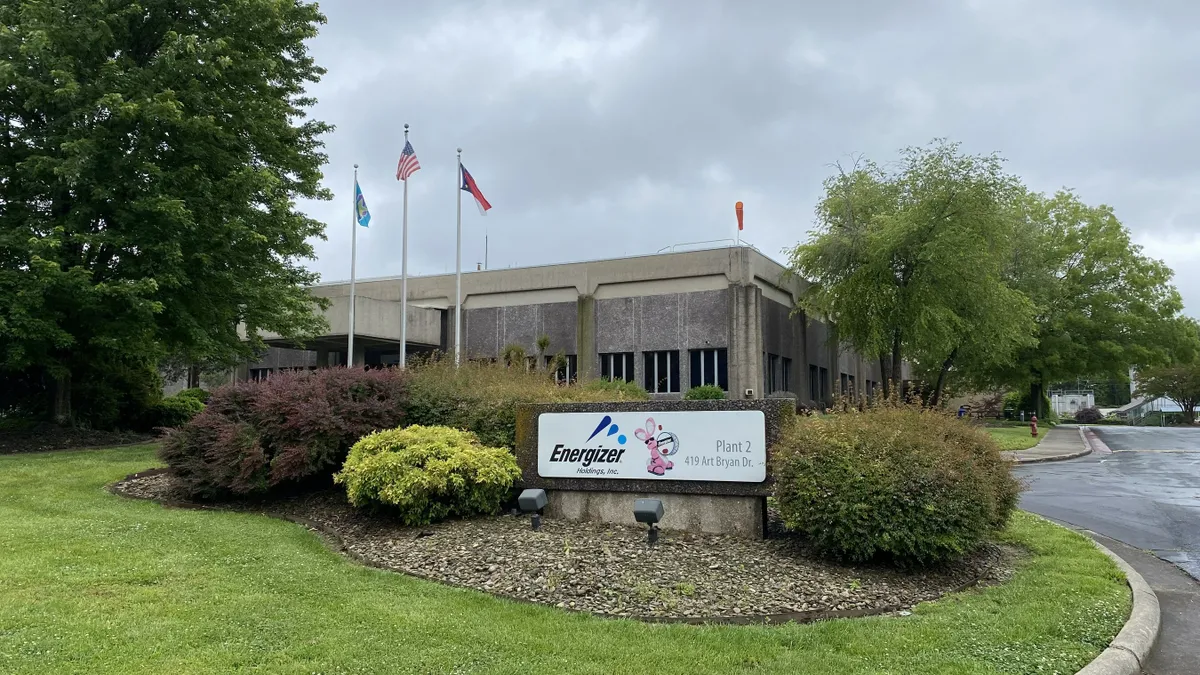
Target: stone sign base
737, 515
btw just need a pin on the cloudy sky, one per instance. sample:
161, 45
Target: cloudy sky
601, 129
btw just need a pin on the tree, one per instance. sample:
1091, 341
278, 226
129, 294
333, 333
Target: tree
150, 161
543, 345
910, 264
1179, 382
1102, 306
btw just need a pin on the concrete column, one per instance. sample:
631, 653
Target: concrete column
746, 341
585, 337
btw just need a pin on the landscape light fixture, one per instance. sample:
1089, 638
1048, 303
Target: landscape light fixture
649, 511
533, 501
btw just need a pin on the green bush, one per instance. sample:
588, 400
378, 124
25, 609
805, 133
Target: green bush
196, 393
705, 392
426, 474
175, 411
913, 486
627, 391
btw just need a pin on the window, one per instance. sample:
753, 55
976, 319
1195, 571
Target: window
710, 366
617, 367
259, 374
824, 384
771, 374
814, 384
845, 385
851, 390
568, 371
787, 374
662, 372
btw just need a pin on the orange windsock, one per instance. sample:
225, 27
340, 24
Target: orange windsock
737, 208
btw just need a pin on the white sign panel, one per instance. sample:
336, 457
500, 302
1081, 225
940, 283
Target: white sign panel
725, 445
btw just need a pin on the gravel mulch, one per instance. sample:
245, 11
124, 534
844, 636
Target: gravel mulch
46, 437
610, 570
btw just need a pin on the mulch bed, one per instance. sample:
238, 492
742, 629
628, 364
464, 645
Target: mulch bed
46, 437
610, 570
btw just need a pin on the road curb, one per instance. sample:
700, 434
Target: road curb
1052, 458
1087, 450
1131, 647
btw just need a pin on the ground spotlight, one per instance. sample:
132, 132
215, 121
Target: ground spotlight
649, 511
533, 501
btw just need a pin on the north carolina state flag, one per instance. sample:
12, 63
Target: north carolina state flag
468, 185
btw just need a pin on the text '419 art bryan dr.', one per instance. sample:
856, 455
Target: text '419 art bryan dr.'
729, 445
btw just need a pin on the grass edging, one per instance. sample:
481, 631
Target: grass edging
1131, 647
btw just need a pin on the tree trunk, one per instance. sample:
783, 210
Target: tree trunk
62, 400
1189, 412
193, 377
884, 374
1036, 397
896, 361
941, 381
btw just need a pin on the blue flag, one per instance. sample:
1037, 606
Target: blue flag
361, 213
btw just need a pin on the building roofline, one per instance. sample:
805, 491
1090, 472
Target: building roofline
709, 249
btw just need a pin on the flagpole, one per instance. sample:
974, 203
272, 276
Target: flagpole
458, 271
353, 259
404, 275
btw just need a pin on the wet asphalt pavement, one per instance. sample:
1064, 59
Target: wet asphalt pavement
1146, 492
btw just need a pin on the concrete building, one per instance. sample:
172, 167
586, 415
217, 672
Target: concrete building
668, 322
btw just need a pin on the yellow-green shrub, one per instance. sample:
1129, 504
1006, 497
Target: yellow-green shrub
428, 473
897, 482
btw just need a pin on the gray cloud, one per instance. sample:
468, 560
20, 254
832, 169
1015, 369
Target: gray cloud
604, 129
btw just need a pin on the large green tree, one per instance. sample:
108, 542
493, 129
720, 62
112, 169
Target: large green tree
1102, 306
909, 262
150, 158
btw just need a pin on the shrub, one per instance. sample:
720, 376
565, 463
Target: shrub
898, 482
619, 389
175, 411
1088, 415
705, 392
483, 397
196, 393
513, 355
289, 429
298, 427
426, 474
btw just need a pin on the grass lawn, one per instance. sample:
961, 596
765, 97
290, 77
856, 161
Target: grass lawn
1014, 438
91, 582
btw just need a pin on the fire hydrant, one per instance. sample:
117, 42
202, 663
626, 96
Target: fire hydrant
1033, 426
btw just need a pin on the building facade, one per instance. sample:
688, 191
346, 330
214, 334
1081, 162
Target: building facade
668, 322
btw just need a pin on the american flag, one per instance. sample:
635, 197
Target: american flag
408, 162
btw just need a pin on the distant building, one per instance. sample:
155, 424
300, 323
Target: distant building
1067, 403
669, 322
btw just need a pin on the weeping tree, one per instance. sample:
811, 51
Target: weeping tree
150, 159
909, 261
